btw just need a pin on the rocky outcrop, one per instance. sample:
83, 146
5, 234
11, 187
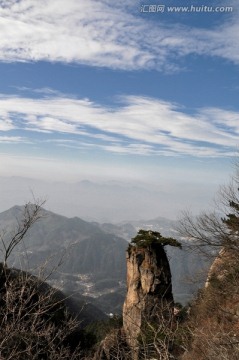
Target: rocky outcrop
149, 290
149, 301
214, 315
220, 266
223, 280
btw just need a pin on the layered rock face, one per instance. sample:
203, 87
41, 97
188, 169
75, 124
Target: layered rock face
223, 279
149, 295
214, 317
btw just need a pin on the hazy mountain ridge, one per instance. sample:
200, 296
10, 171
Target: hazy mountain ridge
94, 254
90, 255
102, 201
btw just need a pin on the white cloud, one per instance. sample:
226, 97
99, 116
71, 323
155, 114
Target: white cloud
49, 124
95, 32
5, 123
137, 125
13, 140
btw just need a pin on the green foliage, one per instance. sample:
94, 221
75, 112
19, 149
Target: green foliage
232, 220
146, 238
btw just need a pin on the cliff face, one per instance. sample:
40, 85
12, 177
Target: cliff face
214, 317
223, 279
148, 303
149, 291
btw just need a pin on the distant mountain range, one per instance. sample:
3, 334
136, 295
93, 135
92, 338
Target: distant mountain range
102, 200
93, 255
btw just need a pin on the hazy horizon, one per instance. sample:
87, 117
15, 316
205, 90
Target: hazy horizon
109, 201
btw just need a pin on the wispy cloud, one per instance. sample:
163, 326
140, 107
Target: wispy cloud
99, 33
13, 140
5, 123
135, 125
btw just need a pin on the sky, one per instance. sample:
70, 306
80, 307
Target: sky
135, 92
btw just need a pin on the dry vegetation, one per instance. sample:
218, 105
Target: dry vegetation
35, 323
213, 327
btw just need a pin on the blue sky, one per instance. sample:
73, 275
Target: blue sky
101, 91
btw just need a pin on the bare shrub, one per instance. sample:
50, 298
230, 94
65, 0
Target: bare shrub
213, 329
35, 322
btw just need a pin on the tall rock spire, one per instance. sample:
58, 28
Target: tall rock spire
149, 291
149, 300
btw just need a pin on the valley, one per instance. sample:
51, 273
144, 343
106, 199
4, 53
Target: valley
88, 259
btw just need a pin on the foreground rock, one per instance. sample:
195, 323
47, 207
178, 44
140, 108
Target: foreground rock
149, 289
149, 300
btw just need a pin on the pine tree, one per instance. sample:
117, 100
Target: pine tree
146, 238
